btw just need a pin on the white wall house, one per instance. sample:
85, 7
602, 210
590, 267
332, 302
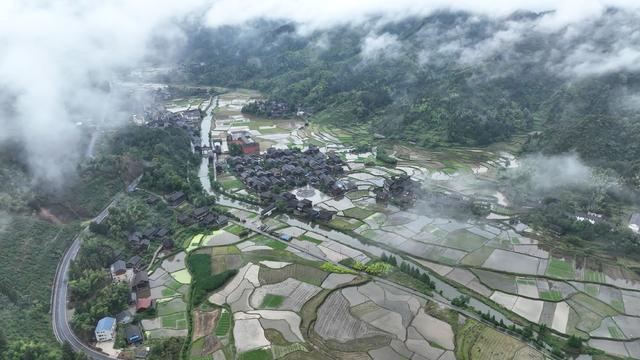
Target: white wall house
106, 329
634, 223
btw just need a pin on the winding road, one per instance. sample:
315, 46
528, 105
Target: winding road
60, 318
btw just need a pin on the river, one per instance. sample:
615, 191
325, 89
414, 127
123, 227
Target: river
205, 140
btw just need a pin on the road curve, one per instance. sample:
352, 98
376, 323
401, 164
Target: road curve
61, 328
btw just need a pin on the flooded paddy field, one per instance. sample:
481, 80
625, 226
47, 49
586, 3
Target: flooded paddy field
497, 261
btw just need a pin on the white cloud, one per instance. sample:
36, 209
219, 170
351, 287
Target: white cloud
314, 15
53, 57
380, 45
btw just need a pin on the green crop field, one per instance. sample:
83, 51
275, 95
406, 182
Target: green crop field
616, 333
594, 276
343, 224
464, 240
272, 301
174, 321
265, 240
310, 239
280, 351
559, 268
225, 250
234, 229
259, 354
592, 290
617, 304
552, 295
358, 213
224, 323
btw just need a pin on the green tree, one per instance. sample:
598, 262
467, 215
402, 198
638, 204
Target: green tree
67, 352
3, 342
235, 150
574, 343
31, 350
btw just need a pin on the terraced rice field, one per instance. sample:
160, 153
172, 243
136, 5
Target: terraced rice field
300, 272
476, 341
358, 213
464, 240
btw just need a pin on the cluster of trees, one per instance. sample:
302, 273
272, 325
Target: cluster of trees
31, 350
375, 268
123, 219
560, 215
461, 301
91, 289
409, 270
169, 164
167, 349
381, 155
108, 301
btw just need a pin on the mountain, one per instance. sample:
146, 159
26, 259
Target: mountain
446, 79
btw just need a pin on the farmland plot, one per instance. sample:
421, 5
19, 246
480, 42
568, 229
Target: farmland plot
512, 262
299, 272
465, 240
336, 322
561, 317
294, 292
434, 330
248, 333
502, 282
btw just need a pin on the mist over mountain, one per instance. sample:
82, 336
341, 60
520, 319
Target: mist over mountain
450, 77
432, 73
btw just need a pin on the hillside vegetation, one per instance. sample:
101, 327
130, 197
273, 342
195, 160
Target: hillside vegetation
430, 81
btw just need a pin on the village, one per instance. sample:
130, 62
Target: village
288, 189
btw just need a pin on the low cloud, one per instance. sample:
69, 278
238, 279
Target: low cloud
56, 59
380, 45
547, 173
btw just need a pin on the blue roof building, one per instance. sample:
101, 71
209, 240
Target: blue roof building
106, 328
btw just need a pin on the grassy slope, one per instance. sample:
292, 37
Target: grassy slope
31, 249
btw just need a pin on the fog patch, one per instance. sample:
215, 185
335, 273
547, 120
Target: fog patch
547, 173
58, 63
375, 46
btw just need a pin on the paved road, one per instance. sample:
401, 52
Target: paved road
60, 323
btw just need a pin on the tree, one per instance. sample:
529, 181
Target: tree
67, 352
3, 342
574, 343
31, 350
98, 228
542, 332
167, 349
235, 150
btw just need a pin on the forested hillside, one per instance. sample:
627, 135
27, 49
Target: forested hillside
450, 78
